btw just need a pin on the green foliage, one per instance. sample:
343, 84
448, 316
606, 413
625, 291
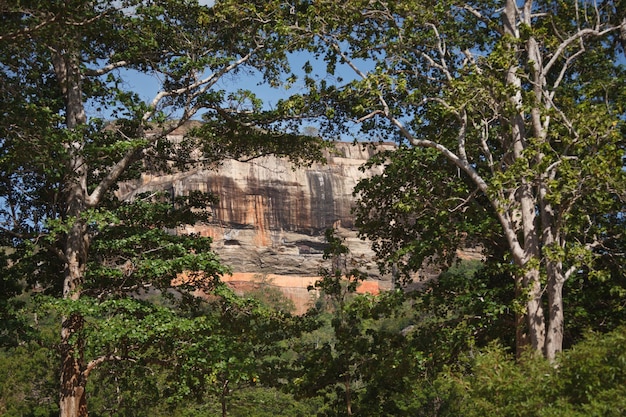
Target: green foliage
136, 245
588, 380
593, 374
417, 218
595, 302
270, 296
267, 402
464, 309
162, 360
358, 361
231, 346
248, 402
28, 365
12, 325
433, 77
28, 381
510, 125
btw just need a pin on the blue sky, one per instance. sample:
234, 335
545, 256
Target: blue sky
147, 85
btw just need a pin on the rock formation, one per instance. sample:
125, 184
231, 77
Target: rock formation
271, 216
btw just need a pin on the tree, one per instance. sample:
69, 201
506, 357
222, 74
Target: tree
521, 104
230, 350
62, 74
464, 309
334, 366
357, 362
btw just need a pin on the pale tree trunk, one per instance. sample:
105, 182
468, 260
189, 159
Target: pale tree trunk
525, 217
535, 319
348, 394
554, 340
72, 402
548, 229
555, 279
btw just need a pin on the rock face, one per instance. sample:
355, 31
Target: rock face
271, 216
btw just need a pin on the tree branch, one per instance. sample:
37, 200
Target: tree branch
490, 23
60, 254
105, 358
118, 169
106, 69
27, 31
567, 42
207, 82
464, 201
441, 48
114, 173
483, 143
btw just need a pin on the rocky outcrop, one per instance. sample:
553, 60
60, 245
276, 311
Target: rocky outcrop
270, 220
271, 216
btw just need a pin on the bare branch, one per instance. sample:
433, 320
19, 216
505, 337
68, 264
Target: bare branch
369, 116
562, 115
441, 48
88, 21
469, 57
484, 19
99, 360
464, 201
106, 69
114, 173
27, 31
564, 69
347, 60
207, 82
483, 143
386, 111
462, 135
575, 37
569, 272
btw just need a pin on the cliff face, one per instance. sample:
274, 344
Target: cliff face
271, 216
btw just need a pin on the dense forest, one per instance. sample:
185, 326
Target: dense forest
509, 119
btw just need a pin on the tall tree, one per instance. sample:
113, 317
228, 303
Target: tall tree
521, 103
62, 72
356, 362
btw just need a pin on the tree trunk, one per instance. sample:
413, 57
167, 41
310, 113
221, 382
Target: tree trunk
72, 401
554, 339
526, 214
521, 332
224, 398
534, 310
348, 394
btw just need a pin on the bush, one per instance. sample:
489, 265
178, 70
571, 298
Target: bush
588, 380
